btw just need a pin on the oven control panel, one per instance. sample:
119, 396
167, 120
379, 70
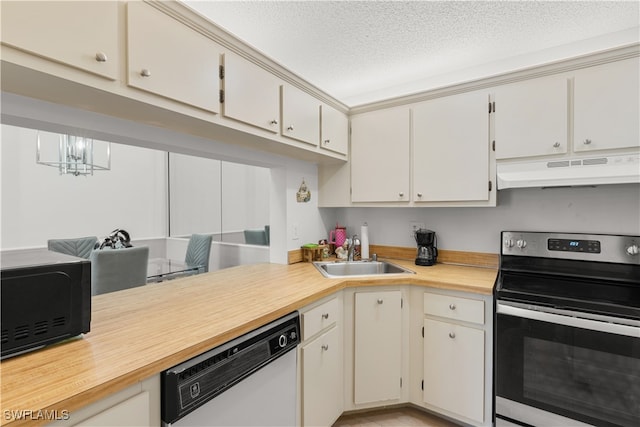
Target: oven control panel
574, 245
592, 247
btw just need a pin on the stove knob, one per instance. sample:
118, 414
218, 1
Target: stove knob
521, 243
508, 243
633, 250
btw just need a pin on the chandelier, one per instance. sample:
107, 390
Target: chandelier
76, 155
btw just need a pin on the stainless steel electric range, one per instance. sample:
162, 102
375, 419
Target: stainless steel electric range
567, 330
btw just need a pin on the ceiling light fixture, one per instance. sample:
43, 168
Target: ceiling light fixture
76, 154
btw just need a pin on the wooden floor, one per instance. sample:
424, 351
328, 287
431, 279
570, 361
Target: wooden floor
395, 417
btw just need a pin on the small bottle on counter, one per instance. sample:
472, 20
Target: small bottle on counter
357, 247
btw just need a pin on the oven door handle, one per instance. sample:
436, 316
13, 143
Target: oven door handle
562, 317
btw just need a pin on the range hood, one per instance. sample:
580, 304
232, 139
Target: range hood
578, 171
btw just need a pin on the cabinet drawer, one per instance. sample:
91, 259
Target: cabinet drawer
457, 308
319, 318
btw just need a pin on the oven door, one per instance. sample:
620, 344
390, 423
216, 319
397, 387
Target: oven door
553, 368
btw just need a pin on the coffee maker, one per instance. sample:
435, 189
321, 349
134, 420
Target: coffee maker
427, 250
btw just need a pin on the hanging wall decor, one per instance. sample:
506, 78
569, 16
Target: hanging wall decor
304, 194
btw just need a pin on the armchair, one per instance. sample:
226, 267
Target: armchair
117, 269
198, 251
80, 247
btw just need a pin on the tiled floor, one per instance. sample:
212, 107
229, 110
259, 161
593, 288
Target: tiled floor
395, 417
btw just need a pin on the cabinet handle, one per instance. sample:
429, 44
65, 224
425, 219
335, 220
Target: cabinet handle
587, 142
327, 141
145, 73
101, 57
401, 194
290, 128
452, 306
556, 145
419, 194
380, 300
325, 315
452, 335
325, 347
273, 122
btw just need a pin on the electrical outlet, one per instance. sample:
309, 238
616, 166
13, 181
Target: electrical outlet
415, 226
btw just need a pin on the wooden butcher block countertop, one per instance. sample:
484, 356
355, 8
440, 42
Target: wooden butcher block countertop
140, 332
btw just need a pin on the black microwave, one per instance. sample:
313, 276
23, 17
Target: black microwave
45, 298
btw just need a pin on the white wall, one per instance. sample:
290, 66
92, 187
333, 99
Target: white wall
608, 209
203, 212
38, 203
310, 222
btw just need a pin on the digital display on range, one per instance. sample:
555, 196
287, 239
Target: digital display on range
570, 245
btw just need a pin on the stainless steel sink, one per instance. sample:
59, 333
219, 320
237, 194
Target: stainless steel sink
359, 268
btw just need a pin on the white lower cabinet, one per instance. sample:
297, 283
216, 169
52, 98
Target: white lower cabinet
456, 354
378, 346
137, 405
322, 379
131, 412
454, 368
321, 359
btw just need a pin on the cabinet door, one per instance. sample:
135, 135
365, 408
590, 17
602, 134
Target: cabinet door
132, 412
531, 118
170, 59
380, 156
607, 106
334, 134
300, 115
82, 34
451, 148
378, 346
454, 368
251, 94
322, 387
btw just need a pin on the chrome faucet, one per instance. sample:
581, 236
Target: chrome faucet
353, 243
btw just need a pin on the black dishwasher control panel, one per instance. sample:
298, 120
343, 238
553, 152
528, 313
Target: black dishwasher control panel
190, 384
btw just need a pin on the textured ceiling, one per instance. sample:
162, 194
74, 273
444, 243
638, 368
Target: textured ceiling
363, 51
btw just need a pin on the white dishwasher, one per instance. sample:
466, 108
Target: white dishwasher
249, 381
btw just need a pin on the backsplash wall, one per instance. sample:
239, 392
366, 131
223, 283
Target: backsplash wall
606, 209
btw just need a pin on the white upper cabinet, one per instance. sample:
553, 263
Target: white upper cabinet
300, 115
451, 148
334, 134
531, 118
380, 159
83, 35
167, 58
607, 106
251, 94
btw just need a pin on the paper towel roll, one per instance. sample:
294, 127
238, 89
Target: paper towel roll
364, 241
